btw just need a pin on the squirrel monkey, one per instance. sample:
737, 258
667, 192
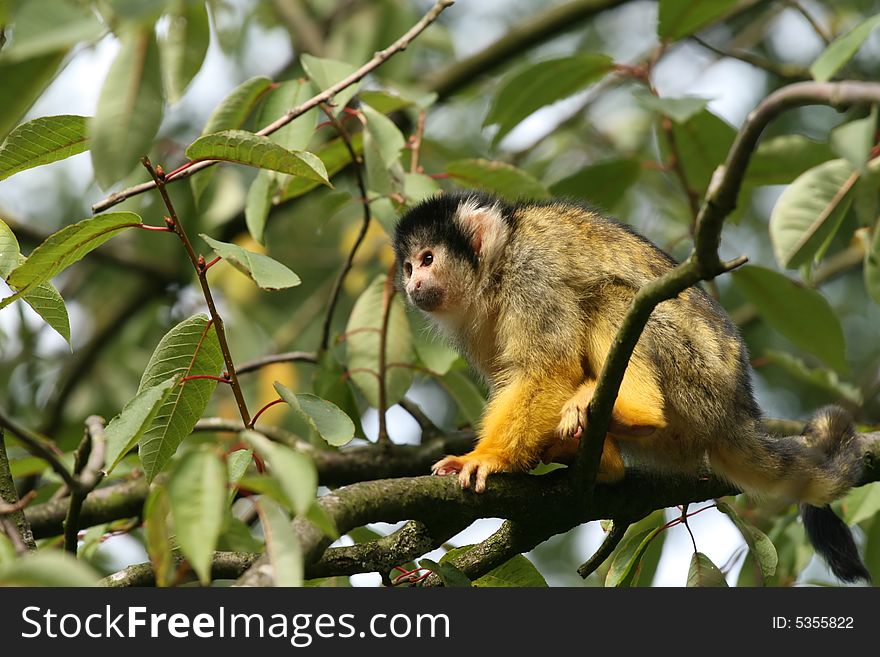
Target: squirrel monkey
533, 294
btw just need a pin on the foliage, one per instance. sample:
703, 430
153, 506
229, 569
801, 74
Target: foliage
301, 165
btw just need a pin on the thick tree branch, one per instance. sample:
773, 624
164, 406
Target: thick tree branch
335, 468
224, 565
323, 97
551, 502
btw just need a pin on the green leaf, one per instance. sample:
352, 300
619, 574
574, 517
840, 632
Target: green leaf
267, 273
184, 45
126, 429
42, 141
47, 568
230, 114
237, 464
603, 184
779, 160
67, 246
10, 253
704, 573
323, 416
327, 72
517, 571
129, 108
540, 84
872, 267
861, 503
387, 135
681, 18
363, 334
265, 485
467, 395
23, 83
322, 520
159, 539
821, 377
234, 110
297, 134
43, 298
451, 576
293, 470
853, 141
761, 547
842, 49
499, 177
282, 545
197, 497
417, 187
47, 302
702, 143
335, 156
809, 212
259, 202
384, 102
679, 110
256, 151
624, 568
45, 27
189, 349
800, 314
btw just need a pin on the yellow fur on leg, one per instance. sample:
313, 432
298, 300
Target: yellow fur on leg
518, 425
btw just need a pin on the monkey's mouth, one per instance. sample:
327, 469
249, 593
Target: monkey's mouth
427, 299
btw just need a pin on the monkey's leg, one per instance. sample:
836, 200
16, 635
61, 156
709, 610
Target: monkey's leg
519, 421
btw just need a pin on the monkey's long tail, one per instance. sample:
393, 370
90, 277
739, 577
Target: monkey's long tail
831, 431
816, 468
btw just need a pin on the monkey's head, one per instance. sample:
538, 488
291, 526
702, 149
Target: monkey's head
446, 245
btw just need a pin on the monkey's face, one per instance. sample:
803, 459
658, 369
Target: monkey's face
427, 275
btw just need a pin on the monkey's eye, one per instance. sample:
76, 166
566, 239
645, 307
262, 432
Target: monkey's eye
427, 259
407, 268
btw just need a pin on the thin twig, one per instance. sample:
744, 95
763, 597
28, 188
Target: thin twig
784, 70
612, 540
325, 96
38, 447
429, 429
287, 357
357, 164
415, 143
387, 297
817, 28
201, 272
93, 450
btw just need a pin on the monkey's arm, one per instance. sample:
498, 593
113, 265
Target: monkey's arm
519, 421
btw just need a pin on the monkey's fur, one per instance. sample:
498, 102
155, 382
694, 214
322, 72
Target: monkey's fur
533, 295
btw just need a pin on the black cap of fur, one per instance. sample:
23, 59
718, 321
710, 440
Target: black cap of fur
832, 539
432, 222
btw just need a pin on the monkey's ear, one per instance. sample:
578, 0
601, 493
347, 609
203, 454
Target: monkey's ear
485, 227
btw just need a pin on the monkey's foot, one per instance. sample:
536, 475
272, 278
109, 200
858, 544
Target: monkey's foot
470, 468
574, 421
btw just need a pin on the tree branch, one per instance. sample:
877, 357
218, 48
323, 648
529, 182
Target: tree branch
323, 97
89, 475
551, 502
16, 524
224, 565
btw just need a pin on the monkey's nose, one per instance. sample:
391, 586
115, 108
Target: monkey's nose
418, 285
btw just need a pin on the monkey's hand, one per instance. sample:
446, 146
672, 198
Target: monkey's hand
470, 468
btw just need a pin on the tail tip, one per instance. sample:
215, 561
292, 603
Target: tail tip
833, 540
